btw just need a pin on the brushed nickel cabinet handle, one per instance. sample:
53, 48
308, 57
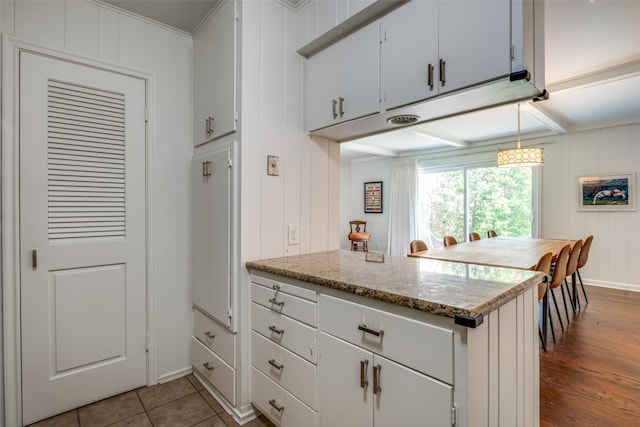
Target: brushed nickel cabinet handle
274, 329
274, 301
364, 328
207, 366
209, 335
341, 106
276, 406
430, 68
34, 259
363, 373
443, 78
376, 379
275, 364
333, 108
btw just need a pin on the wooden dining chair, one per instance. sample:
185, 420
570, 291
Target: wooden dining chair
449, 241
491, 234
473, 236
582, 261
572, 267
557, 278
358, 235
544, 266
417, 246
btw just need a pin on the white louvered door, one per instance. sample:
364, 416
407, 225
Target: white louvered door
82, 234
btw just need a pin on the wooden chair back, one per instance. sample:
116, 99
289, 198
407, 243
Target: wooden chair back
449, 240
356, 226
473, 236
574, 255
560, 270
491, 234
417, 246
544, 266
584, 253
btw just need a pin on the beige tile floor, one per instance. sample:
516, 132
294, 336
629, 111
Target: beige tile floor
183, 402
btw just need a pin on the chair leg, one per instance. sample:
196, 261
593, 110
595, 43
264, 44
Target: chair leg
582, 286
544, 344
564, 300
569, 295
555, 302
553, 333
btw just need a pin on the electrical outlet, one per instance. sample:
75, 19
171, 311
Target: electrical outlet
294, 234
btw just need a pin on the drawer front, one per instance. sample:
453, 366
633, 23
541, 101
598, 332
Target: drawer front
283, 367
281, 302
285, 287
289, 333
213, 368
215, 336
278, 404
420, 346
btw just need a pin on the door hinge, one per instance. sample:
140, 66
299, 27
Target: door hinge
454, 415
146, 342
230, 313
513, 52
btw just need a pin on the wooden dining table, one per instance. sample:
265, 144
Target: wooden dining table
502, 251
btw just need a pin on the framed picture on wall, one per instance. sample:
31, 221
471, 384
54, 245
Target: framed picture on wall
607, 192
373, 197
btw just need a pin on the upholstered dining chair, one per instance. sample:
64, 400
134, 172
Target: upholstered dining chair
572, 267
358, 235
417, 246
473, 236
449, 240
557, 278
491, 233
544, 266
582, 261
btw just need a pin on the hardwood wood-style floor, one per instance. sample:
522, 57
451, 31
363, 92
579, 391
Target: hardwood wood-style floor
591, 376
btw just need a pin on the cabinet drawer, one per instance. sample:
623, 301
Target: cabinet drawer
214, 369
269, 397
215, 336
292, 372
420, 346
289, 333
282, 302
285, 287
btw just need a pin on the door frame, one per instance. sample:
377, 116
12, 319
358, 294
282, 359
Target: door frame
10, 214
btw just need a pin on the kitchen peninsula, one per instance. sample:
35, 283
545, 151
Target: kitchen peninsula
340, 341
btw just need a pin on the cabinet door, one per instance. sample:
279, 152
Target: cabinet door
345, 398
407, 398
409, 54
360, 73
214, 71
483, 50
323, 87
211, 233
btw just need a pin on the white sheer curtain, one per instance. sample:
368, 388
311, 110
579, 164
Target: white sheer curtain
402, 206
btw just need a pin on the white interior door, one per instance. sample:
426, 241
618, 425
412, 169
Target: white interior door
82, 234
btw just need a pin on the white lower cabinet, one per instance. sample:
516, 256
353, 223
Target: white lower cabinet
360, 388
214, 370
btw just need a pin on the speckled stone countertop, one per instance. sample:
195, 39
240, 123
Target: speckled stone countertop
444, 288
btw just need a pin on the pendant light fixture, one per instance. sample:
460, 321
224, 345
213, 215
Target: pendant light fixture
514, 157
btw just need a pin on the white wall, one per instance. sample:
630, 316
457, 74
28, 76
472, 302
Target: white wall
616, 241
99, 32
272, 116
353, 177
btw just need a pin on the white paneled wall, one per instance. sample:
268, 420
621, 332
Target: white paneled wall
98, 32
616, 243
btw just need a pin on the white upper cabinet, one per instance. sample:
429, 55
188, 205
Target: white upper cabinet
331, 13
434, 47
214, 76
343, 80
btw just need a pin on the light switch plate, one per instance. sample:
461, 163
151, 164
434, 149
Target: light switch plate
293, 230
273, 165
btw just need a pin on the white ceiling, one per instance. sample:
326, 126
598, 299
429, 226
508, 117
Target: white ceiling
592, 67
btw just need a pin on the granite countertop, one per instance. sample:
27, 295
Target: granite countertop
462, 291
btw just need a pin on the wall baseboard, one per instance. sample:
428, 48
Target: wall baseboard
174, 375
612, 285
